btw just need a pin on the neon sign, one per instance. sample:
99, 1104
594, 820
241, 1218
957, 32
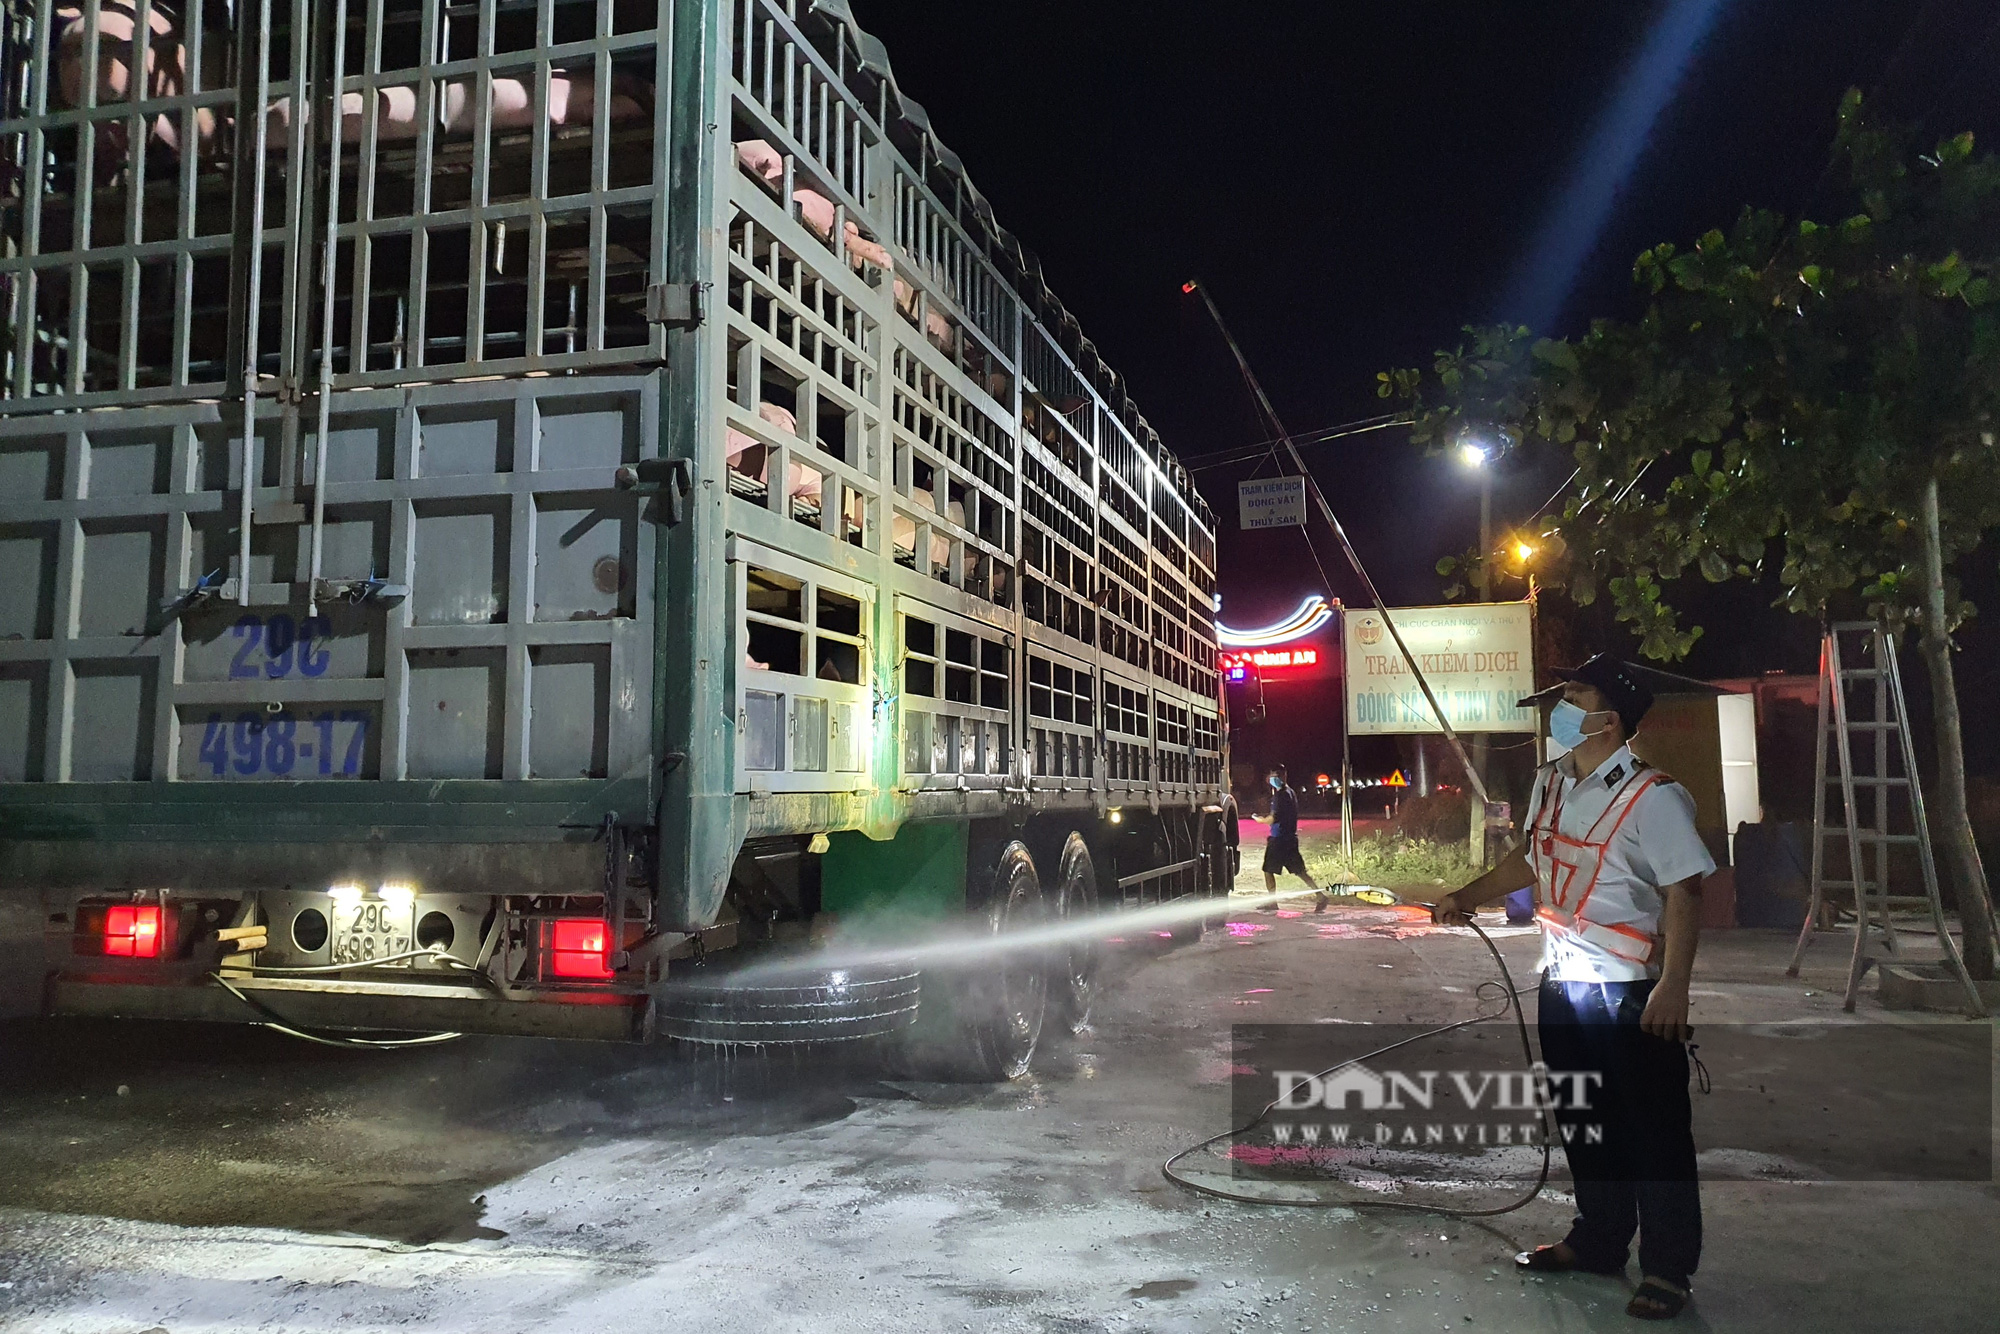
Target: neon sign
1309, 616
1237, 666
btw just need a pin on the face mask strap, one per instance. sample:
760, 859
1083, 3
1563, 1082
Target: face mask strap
1588, 714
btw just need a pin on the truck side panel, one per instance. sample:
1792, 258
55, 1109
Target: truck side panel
476, 669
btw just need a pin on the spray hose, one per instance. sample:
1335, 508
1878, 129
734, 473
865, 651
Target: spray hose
1484, 990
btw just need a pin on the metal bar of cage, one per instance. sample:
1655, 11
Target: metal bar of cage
136, 136
85, 196
329, 262
361, 272
194, 40
481, 186
535, 323
433, 33
260, 79
299, 201
600, 172
31, 154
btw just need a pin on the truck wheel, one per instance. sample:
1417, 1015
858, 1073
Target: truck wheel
1073, 970
788, 1004
1232, 843
1005, 1000
1220, 861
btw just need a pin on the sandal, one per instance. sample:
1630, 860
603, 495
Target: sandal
1656, 1299
1545, 1260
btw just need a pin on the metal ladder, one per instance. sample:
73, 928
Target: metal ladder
1888, 727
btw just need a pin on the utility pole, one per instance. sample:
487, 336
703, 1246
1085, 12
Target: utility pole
1483, 584
1318, 497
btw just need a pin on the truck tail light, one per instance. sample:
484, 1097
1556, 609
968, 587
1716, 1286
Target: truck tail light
132, 930
577, 948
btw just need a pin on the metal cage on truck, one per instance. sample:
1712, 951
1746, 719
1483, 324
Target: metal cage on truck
527, 463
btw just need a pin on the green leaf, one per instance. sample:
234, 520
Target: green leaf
1699, 461
1556, 352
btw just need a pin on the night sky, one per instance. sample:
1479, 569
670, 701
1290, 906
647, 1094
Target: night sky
1355, 182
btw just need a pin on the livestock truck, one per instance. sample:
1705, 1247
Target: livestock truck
507, 506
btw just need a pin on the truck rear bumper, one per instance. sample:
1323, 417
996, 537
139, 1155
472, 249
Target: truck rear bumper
391, 1006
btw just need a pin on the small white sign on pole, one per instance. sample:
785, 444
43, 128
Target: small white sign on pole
1478, 657
1271, 502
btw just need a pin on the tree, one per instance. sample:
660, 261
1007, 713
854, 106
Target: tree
1811, 404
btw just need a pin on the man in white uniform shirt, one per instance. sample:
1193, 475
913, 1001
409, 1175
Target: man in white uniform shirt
1617, 866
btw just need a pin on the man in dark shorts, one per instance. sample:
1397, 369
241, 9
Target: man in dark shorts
1281, 852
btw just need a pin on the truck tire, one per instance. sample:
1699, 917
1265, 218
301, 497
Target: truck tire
1073, 970
790, 1005
1218, 857
1232, 833
1006, 998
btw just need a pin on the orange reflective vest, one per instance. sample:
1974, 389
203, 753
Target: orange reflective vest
1575, 900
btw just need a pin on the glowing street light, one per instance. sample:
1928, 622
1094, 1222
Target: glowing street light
1524, 552
1474, 454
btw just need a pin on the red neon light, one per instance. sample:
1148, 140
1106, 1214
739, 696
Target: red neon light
576, 948
1270, 659
132, 931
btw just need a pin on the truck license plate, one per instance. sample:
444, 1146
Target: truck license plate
368, 929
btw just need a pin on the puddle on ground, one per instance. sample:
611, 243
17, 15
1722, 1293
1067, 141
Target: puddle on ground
230, 1126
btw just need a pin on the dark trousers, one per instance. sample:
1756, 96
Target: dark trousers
1630, 1138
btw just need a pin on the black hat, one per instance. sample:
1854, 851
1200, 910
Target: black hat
1615, 679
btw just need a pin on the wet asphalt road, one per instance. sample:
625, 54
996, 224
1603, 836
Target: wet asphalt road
243, 1180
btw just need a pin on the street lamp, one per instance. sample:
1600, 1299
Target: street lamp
1525, 553
1476, 452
